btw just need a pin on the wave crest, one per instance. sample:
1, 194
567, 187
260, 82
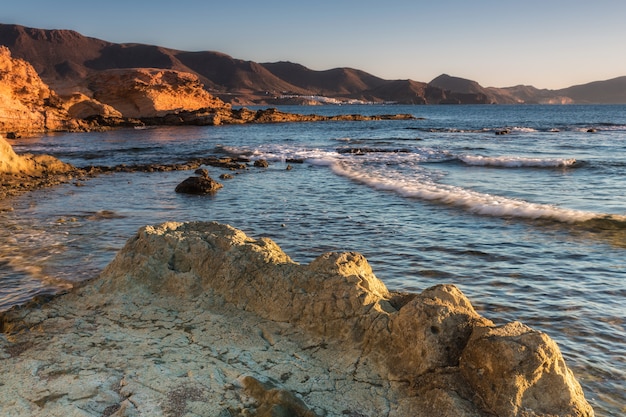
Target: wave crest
517, 162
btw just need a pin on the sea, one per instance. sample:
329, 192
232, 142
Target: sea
523, 207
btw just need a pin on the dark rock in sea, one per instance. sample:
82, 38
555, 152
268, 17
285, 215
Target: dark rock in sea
226, 177
198, 185
294, 160
592, 130
503, 132
261, 163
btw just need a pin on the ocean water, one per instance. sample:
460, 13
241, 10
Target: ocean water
530, 225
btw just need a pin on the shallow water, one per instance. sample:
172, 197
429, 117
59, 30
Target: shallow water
530, 225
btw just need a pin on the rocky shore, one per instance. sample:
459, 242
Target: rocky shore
195, 319
132, 97
200, 319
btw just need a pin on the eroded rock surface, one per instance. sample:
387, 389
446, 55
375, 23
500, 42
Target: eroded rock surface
199, 318
148, 92
27, 104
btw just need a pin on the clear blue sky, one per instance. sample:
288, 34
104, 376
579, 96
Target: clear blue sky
501, 43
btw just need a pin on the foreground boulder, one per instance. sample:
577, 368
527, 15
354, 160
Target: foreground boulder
200, 318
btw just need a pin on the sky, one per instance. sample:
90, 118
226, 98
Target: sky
498, 43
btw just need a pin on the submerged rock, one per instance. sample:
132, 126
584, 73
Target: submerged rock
204, 319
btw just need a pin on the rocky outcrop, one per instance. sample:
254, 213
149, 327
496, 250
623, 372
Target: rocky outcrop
81, 106
235, 326
145, 92
26, 103
12, 163
25, 172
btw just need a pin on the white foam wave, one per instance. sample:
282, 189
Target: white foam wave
474, 202
523, 129
516, 162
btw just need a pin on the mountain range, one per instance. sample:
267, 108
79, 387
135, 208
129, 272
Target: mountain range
68, 61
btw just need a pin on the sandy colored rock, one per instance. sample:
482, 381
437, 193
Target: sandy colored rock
200, 319
12, 163
26, 103
81, 106
146, 92
518, 371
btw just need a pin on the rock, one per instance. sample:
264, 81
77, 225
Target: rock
148, 92
515, 369
273, 402
429, 332
27, 104
198, 185
188, 312
336, 296
12, 163
80, 106
261, 163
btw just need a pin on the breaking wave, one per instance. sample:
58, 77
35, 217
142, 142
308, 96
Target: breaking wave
517, 162
475, 202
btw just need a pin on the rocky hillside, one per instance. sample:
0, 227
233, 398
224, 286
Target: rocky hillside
26, 103
102, 99
65, 59
147, 92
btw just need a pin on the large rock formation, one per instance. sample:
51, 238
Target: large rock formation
200, 318
26, 103
145, 92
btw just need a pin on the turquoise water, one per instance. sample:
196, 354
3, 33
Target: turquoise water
530, 224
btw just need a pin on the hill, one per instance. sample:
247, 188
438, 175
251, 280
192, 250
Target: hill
65, 60
611, 91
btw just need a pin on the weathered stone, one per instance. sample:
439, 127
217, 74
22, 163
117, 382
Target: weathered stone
261, 163
430, 332
273, 402
80, 106
517, 371
12, 163
198, 185
185, 310
148, 92
27, 104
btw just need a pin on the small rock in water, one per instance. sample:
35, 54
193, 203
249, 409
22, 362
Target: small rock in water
198, 185
261, 163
